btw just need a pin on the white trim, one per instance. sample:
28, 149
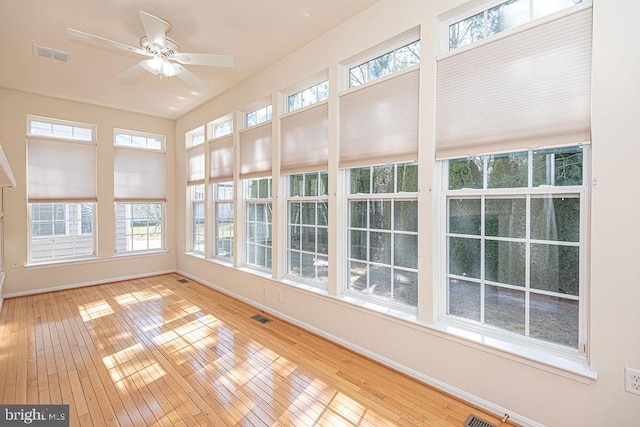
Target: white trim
85, 284
79, 261
456, 392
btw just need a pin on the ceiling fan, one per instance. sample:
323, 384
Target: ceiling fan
165, 58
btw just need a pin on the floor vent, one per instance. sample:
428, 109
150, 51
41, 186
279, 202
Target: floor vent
183, 281
474, 421
260, 318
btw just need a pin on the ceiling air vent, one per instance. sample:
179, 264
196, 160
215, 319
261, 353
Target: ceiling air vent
51, 53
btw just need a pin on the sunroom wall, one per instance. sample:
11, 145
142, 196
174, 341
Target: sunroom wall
532, 395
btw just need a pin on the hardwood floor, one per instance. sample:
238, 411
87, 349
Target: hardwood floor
154, 351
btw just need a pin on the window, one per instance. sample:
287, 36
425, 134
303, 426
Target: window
198, 218
61, 189
514, 245
223, 128
195, 137
224, 220
309, 96
52, 128
132, 139
258, 223
139, 227
501, 17
382, 231
307, 226
386, 64
258, 116
61, 231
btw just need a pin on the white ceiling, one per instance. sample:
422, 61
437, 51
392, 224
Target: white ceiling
256, 33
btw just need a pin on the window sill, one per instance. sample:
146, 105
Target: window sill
81, 261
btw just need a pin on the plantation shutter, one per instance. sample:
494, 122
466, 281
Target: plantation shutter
305, 139
221, 159
528, 90
255, 151
379, 121
61, 171
139, 175
195, 165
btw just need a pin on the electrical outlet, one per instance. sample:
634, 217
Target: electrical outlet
280, 296
632, 380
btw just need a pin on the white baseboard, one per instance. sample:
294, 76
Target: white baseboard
83, 284
446, 388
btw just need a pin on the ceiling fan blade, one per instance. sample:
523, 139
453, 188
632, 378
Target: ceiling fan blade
155, 28
101, 41
189, 78
205, 59
132, 72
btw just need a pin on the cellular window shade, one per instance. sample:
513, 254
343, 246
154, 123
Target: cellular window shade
255, 151
195, 165
379, 122
61, 171
304, 139
221, 159
139, 175
528, 90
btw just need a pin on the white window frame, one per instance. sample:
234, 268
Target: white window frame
195, 137
268, 115
321, 198
194, 202
484, 8
389, 48
78, 130
135, 134
218, 201
248, 201
396, 196
291, 108
448, 322
220, 127
163, 210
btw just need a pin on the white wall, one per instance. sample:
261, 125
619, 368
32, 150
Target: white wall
533, 393
14, 108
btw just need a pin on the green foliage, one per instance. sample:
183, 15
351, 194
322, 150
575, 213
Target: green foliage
465, 173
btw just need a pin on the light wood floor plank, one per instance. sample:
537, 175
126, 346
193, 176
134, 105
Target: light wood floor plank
153, 351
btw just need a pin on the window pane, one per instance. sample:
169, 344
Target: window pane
464, 299
464, 216
358, 276
380, 281
507, 15
381, 66
407, 56
504, 308
294, 262
358, 245
465, 173
408, 178
294, 213
323, 213
547, 7
405, 215
380, 247
295, 238
405, 250
358, 213
359, 75
405, 287
295, 101
466, 31
380, 214
322, 240
464, 257
559, 167
311, 184
554, 319
504, 262
555, 218
555, 268
505, 217
308, 239
383, 179
507, 170
361, 181
309, 213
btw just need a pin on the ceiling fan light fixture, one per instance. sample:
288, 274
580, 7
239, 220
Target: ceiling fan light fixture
159, 66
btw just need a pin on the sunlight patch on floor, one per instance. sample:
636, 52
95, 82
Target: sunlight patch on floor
95, 310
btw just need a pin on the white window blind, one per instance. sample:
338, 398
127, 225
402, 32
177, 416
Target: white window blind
195, 163
379, 122
255, 151
304, 137
61, 171
528, 90
139, 175
221, 159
